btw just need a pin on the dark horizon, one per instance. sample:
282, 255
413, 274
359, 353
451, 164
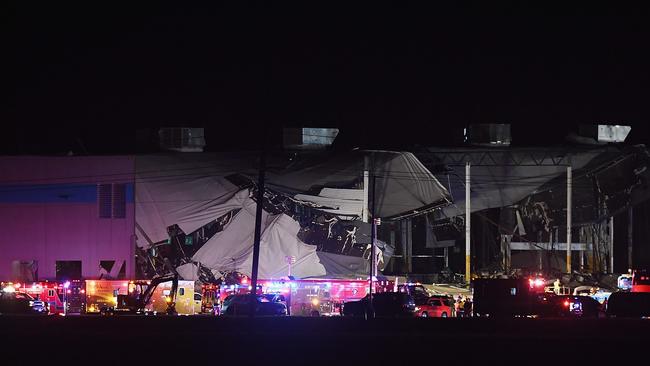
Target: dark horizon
92, 76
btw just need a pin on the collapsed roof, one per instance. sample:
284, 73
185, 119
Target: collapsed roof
312, 208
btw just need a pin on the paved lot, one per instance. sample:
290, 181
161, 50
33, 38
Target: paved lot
309, 341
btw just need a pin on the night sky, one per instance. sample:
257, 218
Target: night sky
86, 78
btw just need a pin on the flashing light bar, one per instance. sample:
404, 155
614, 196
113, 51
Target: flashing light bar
9, 288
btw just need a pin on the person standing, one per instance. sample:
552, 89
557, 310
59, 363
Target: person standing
459, 307
467, 308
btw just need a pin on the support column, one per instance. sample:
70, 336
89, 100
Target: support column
405, 227
582, 257
446, 257
409, 245
468, 224
568, 218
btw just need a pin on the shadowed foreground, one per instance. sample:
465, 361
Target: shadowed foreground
308, 341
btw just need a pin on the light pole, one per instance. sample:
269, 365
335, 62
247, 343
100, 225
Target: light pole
291, 259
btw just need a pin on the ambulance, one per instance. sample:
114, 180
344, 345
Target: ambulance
50, 292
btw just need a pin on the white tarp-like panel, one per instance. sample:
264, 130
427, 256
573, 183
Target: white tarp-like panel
232, 249
228, 249
183, 189
190, 202
279, 240
188, 271
343, 202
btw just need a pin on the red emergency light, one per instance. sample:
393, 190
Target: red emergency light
537, 282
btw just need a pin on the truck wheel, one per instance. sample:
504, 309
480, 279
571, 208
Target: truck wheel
425, 314
443, 315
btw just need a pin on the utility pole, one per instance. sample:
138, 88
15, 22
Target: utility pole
258, 227
366, 188
611, 244
568, 219
468, 224
372, 241
630, 236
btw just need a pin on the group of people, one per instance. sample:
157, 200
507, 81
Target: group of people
463, 307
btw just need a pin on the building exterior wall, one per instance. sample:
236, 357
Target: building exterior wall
50, 211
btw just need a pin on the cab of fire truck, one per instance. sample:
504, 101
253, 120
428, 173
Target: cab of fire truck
641, 280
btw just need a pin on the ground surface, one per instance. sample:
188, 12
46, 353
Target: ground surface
309, 341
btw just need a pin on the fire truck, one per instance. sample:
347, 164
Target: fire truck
210, 299
102, 294
50, 292
74, 296
307, 297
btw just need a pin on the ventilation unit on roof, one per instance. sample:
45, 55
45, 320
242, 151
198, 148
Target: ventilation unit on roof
308, 138
488, 134
605, 133
182, 139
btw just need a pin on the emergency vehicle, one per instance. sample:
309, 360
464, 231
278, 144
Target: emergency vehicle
210, 300
316, 297
102, 294
50, 292
188, 302
641, 280
74, 296
307, 297
508, 297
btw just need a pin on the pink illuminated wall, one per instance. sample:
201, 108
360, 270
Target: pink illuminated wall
49, 211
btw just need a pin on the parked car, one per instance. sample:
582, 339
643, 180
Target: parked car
417, 291
21, 303
240, 305
384, 305
629, 304
572, 306
436, 307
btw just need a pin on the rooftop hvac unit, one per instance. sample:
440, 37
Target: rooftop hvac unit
605, 133
309, 138
182, 139
491, 134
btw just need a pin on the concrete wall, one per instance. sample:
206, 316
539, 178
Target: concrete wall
49, 211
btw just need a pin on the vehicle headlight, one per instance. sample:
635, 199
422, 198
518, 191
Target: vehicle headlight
31, 303
417, 308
